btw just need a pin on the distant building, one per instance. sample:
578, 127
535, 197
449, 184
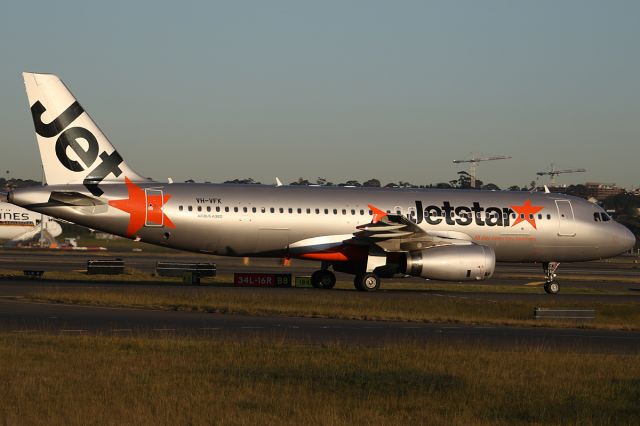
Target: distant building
600, 191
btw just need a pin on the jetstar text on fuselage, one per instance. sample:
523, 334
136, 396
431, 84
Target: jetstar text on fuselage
464, 215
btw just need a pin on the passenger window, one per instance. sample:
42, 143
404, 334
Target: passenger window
326, 211
272, 210
317, 211
190, 208
244, 209
361, 212
218, 209
370, 213
335, 211
299, 210
290, 210
180, 208
344, 211
308, 211
208, 208
353, 212
281, 210
539, 216
199, 208
253, 209
226, 209
548, 217
235, 209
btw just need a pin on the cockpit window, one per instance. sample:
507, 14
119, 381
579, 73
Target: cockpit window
596, 216
601, 216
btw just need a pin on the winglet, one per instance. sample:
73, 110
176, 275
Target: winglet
378, 214
278, 181
546, 190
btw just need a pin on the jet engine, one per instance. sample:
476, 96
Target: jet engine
452, 263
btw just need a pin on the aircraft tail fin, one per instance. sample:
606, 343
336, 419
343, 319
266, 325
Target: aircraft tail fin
72, 147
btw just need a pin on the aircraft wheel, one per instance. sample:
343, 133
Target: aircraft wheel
552, 287
323, 279
357, 284
367, 282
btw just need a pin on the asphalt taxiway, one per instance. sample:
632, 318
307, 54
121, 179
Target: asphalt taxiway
19, 315
27, 317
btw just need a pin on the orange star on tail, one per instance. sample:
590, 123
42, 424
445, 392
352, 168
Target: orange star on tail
526, 212
142, 208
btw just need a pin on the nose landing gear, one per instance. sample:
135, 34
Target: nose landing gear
551, 286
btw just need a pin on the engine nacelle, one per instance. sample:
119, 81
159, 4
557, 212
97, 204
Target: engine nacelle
452, 263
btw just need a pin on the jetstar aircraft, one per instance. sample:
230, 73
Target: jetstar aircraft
368, 232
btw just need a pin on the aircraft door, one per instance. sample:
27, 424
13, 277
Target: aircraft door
566, 221
153, 214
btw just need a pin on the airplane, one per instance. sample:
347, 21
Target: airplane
371, 233
18, 224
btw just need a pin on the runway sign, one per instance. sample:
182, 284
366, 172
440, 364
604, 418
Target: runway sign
303, 282
247, 279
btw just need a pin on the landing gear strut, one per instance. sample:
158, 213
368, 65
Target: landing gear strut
551, 286
323, 278
367, 282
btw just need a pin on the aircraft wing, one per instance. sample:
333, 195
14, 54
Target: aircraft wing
386, 231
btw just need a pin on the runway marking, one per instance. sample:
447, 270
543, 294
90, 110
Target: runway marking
164, 329
209, 328
25, 331
72, 331
535, 283
250, 328
52, 317
121, 330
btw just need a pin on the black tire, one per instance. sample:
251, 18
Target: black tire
367, 282
323, 279
552, 287
357, 283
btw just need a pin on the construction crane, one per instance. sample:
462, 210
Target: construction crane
553, 172
473, 164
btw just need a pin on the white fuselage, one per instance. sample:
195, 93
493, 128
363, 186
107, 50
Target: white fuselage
16, 221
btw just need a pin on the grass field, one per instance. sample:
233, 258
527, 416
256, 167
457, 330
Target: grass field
76, 380
408, 306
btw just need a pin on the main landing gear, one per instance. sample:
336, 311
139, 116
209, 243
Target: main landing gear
551, 286
323, 278
366, 282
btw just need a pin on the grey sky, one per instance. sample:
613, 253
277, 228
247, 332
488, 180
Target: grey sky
339, 89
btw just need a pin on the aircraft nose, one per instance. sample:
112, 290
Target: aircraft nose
626, 238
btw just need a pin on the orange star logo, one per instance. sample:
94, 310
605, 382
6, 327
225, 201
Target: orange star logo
526, 212
143, 208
